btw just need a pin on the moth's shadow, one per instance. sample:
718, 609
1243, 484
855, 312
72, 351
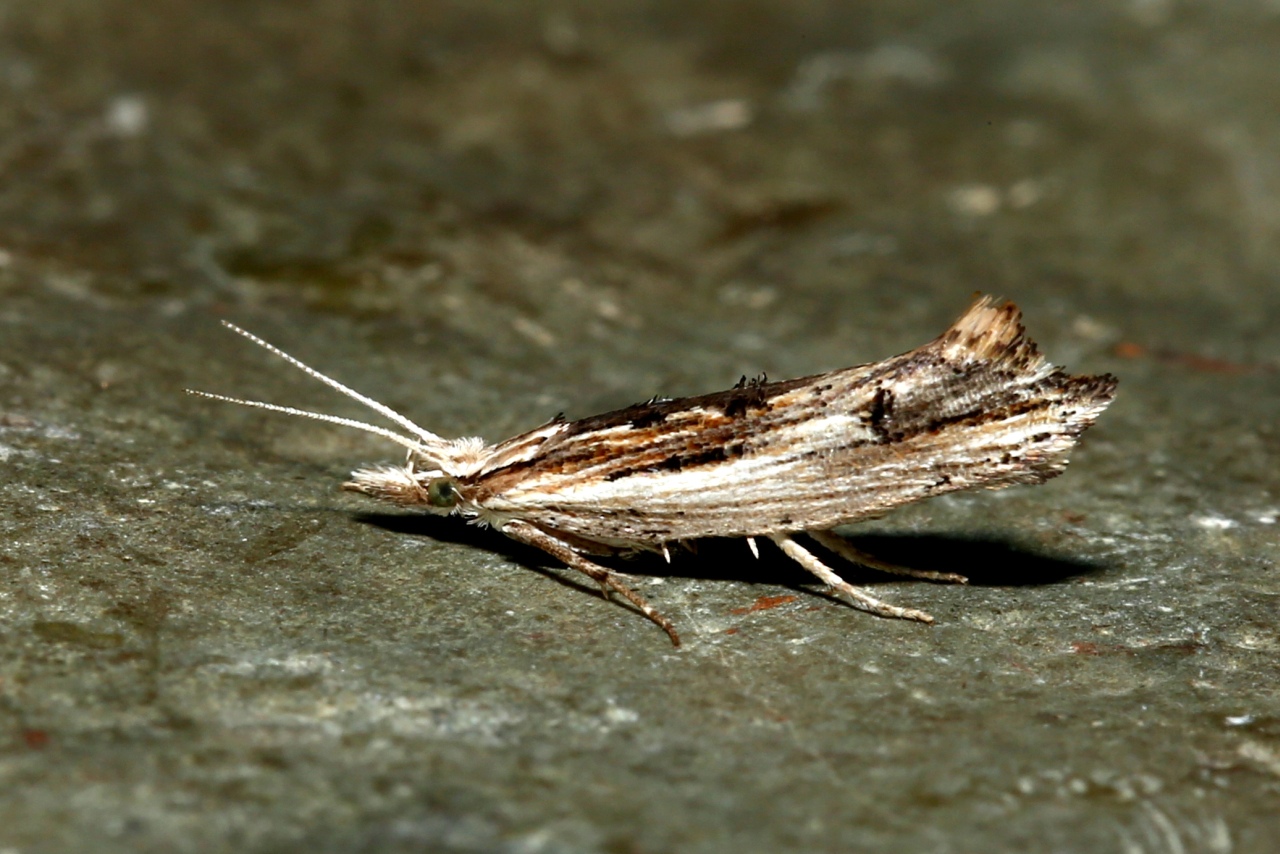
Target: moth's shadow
986, 562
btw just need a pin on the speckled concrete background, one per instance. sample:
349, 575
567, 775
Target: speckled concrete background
483, 213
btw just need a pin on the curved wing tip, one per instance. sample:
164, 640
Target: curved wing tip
990, 329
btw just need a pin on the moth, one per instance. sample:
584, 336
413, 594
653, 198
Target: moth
976, 407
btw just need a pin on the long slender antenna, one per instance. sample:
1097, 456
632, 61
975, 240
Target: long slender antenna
403, 441
428, 438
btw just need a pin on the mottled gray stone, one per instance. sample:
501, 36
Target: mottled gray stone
486, 213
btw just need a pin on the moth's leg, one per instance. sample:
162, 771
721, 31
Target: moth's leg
841, 546
859, 599
608, 580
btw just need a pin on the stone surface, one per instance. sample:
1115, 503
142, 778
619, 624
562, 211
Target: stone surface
486, 213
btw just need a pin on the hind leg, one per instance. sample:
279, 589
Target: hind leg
841, 546
860, 599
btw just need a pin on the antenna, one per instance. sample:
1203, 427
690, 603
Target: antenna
428, 444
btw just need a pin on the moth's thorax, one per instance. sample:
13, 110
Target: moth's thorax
459, 457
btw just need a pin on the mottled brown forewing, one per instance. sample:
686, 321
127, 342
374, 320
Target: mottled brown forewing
976, 407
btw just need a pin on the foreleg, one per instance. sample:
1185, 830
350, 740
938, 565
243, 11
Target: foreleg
608, 580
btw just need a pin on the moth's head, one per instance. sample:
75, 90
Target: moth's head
429, 478
431, 490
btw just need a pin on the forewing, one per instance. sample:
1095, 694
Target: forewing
976, 407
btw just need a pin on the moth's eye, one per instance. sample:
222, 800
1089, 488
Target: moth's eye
440, 493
